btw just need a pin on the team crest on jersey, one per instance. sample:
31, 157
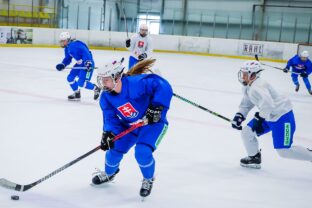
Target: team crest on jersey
300, 66
128, 111
140, 44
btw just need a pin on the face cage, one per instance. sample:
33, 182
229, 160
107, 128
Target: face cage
304, 59
143, 32
99, 81
240, 75
62, 43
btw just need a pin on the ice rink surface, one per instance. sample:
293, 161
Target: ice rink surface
197, 163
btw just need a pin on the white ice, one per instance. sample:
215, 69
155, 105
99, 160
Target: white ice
197, 161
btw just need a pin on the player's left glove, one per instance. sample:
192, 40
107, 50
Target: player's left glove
142, 56
304, 74
153, 114
89, 65
128, 42
285, 70
257, 124
60, 66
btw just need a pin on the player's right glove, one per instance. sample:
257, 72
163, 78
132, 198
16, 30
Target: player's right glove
142, 56
237, 121
153, 114
107, 140
89, 65
285, 70
128, 42
257, 124
60, 66
304, 74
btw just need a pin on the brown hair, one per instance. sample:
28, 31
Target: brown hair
142, 67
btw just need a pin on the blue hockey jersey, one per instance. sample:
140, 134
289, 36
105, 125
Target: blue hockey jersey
130, 105
298, 65
79, 51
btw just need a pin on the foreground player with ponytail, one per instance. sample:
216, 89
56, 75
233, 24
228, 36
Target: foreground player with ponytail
126, 99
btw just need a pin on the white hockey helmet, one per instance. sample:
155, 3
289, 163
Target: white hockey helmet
144, 27
113, 70
64, 39
64, 36
304, 54
247, 70
143, 30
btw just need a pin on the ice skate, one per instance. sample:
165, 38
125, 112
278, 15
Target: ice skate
297, 88
75, 96
251, 161
101, 177
146, 188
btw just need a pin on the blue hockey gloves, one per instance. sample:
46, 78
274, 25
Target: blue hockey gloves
89, 65
237, 121
142, 56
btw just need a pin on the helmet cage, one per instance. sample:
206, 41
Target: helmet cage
250, 71
113, 72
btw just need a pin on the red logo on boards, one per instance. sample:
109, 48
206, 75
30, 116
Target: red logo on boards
140, 44
128, 111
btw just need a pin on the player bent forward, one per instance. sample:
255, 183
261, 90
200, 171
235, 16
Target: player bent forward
275, 114
127, 99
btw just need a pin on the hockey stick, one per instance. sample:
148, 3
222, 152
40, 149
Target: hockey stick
83, 67
78, 67
157, 71
17, 187
257, 58
201, 107
125, 20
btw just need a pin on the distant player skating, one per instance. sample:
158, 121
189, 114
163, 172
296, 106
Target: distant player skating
301, 65
140, 46
129, 98
81, 74
275, 114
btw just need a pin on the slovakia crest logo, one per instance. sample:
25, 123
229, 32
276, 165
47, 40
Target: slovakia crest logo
140, 44
128, 111
300, 66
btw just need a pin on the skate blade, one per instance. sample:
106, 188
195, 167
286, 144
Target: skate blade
74, 100
102, 185
254, 166
143, 198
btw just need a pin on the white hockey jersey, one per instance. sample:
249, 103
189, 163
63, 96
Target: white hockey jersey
141, 45
271, 105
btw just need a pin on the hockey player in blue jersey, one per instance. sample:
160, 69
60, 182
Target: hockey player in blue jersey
81, 73
275, 115
127, 99
301, 65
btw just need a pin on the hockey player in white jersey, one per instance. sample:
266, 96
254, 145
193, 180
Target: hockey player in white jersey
140, 46
275, 114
